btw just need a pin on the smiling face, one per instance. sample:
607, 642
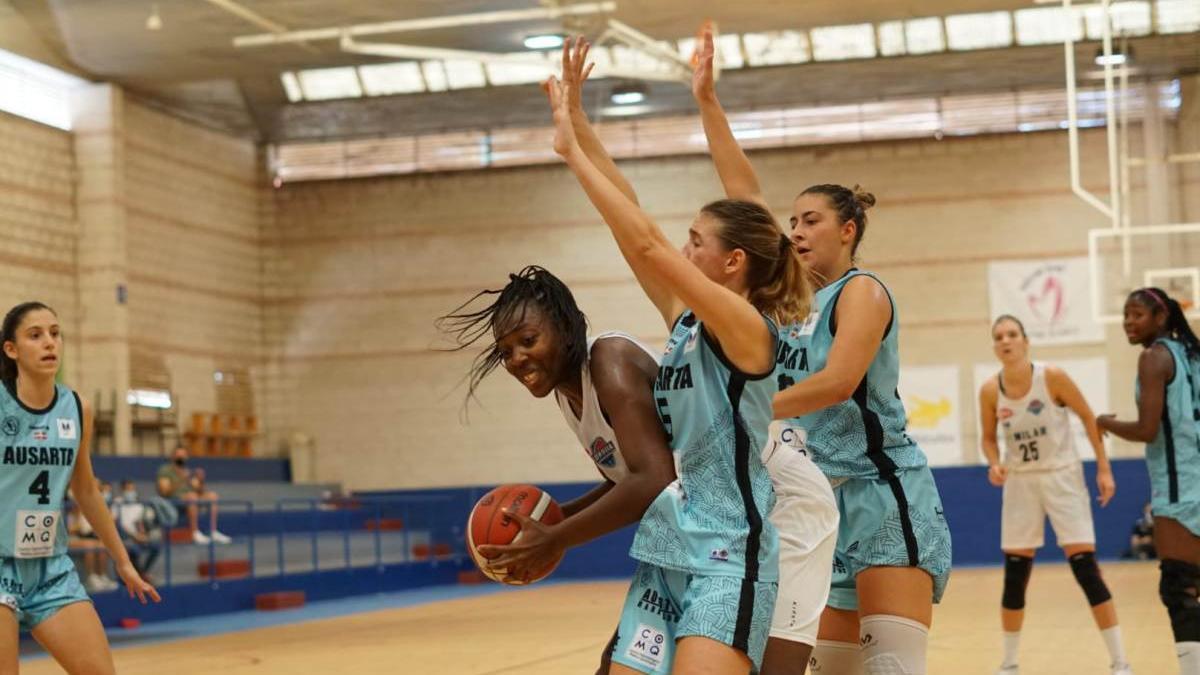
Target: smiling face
1009, 342
1143, 322
823, 241
36, 344
532, 350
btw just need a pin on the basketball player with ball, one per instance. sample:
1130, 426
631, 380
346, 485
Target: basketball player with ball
591, 423
604, 387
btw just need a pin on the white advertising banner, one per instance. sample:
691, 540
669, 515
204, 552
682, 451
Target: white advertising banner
1051, 297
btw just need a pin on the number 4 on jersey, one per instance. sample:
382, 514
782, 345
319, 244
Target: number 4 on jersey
41, 487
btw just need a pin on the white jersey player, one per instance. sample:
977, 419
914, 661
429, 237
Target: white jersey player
1042, 476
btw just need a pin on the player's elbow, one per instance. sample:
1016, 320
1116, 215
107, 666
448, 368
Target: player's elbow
650, 481
842, 388
1146, 433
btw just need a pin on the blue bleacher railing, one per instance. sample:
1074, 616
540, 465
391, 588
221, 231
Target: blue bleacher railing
315, 535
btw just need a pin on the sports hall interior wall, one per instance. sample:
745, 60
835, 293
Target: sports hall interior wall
37, 221
372, 261
139, 200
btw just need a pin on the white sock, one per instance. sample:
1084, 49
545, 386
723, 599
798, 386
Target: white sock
836, 658
1012, 641
892, 645
1189, 657
1112, 640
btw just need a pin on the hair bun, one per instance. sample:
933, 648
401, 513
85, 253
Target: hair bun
865, 199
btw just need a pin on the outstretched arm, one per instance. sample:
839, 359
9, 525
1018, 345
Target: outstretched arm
575, 71
736, 324
733, 166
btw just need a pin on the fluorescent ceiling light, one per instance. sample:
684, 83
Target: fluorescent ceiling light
628, 97
624, 110
545, 41
628, 93
1117, 59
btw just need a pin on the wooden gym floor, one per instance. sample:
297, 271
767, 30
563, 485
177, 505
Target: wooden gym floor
560, 628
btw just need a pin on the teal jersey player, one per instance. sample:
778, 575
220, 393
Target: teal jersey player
699, 600
713, 519
44, 431
852, 438
1173, 455
1168, 422
39, 448
891, 511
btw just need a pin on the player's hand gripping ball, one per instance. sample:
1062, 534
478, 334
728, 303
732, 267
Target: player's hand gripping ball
492, 523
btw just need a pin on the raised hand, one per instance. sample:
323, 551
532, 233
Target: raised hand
564, 131
703, 88
574, 72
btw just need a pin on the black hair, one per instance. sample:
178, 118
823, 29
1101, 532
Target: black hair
1010, 317
8, 333
1177, 327
532, 285
850, 204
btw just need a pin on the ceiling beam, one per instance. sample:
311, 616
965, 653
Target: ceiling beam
453, 21
258, 20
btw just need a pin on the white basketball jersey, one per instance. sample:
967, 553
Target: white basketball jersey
1037, 431
592, 430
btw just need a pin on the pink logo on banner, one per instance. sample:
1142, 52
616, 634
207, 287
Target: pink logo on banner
1048, 303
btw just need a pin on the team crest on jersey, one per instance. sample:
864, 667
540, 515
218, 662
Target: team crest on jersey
1036, 406
11, 426
603, 452
40, 433
693, 337
1005, 413
669, 348
66, 428
719, 554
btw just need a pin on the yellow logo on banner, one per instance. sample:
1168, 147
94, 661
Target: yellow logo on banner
924, 414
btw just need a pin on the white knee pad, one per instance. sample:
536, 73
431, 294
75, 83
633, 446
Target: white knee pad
830, 657
892, 645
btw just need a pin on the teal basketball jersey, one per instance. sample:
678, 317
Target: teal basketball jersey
865, 436
713, 519
38, 449
1173, 457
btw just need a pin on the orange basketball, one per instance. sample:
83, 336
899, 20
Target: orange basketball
489, 524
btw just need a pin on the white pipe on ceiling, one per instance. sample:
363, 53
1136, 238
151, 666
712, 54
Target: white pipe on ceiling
453, 21
421, 53
635, 38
